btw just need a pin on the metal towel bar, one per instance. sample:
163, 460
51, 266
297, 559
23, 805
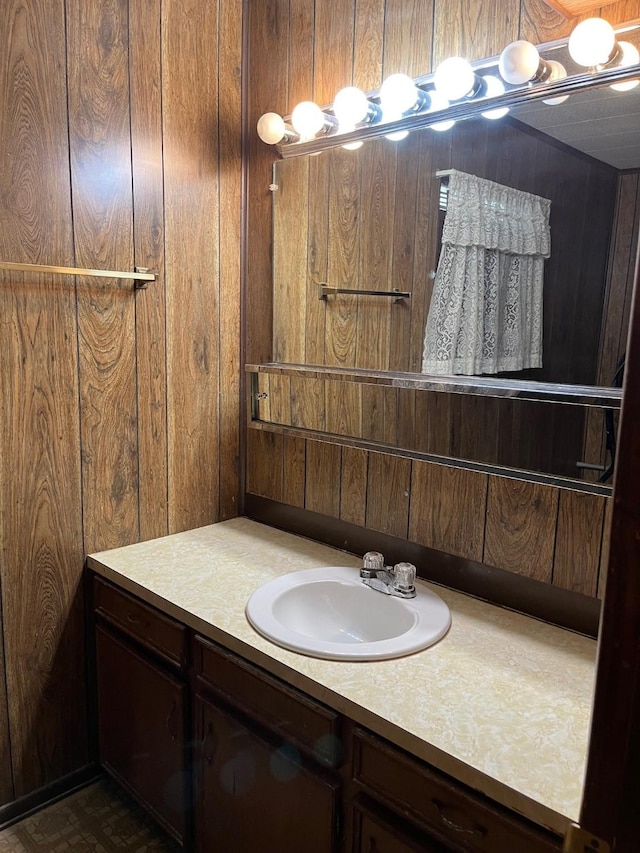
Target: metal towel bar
324, 291
141, 276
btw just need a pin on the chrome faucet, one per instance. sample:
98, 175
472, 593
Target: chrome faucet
398, 580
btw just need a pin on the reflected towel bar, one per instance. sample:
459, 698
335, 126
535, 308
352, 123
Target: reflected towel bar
324, 291
141, 276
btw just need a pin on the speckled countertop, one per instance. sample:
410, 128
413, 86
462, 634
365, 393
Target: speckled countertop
502, 703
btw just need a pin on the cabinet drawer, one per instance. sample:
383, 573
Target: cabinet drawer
153, 629
312, 727
457, 816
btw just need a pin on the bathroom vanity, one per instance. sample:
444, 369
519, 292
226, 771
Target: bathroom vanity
232, 743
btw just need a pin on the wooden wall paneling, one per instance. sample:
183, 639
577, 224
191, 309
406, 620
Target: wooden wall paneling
343, 403
99, 134
521, 527
40, 480
407, 425
267, 90
434, 422
606, 546
473, 428
388, 485
229, 120
308, 407
408, 37
390, 413
290, 221
262, 405
369, 25
540, 23
322, 487
279, 398
353, 485
264, 464
145, 72
301, 38
576, 561
318, 259
332, 48
403, 253
472, 28
294, 467
448, 507
190, 107
343, 258
377, 190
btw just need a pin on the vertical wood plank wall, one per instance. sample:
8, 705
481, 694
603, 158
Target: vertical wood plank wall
121, 147
415, 36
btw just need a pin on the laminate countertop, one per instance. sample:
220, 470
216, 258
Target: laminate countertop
502, 703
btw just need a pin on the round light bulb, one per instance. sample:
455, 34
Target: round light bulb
592, 42
495, 87
397, 136
348, 127
308, 119
558, 72
439, 102
351, 105
454, 78
398, 93
519, 62
271, 128
630, 56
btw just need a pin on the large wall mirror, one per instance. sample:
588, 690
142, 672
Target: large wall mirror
371, 219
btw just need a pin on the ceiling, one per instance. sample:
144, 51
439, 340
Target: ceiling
600, 122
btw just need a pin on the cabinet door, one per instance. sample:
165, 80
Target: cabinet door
142, 715
256, 797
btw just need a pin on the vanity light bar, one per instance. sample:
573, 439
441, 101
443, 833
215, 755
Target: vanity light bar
547, 75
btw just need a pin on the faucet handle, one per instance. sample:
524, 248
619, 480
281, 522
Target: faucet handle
405, 575
372, 562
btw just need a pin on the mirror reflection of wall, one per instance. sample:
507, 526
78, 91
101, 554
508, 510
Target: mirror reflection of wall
371, 219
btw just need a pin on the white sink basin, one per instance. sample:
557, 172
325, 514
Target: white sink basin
329, 613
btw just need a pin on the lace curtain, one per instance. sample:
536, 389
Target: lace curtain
486, 309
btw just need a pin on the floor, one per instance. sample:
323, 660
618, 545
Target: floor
97, 819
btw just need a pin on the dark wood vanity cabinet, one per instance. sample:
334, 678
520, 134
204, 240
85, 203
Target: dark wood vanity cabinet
183, 722
266, 761
143, 704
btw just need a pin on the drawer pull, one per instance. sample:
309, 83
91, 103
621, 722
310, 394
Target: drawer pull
135, 620
479, 831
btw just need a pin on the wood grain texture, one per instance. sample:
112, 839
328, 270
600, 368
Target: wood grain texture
369, 27
294, 467
353, 485
7, 792
520, 527
229, 202
576, 561
264, 464
190, 105
322, 487
408, 36
472, 28
388, 485
448, 508
332, 49
99, 116
290, 217
40, 481
301, 39
148, 217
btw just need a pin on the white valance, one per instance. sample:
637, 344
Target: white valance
484, 213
